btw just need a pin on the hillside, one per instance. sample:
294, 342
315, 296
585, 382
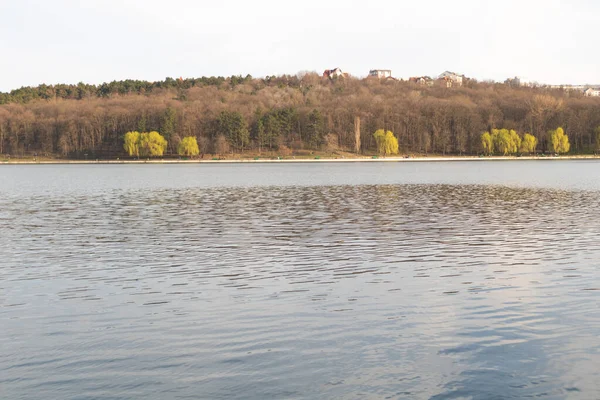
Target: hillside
285, 114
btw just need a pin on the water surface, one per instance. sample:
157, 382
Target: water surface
436, 280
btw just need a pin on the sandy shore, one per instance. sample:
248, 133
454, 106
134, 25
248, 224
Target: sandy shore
300, 160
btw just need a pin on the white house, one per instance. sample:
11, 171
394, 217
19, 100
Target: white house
592, 92
454, 77
333, 73
381, 73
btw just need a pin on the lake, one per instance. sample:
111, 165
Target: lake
419, 280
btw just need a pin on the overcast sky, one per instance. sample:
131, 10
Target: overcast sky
68, 41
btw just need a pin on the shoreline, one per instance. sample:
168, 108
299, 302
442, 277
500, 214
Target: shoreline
301, 160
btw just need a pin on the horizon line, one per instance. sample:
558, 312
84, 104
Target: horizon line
301, 72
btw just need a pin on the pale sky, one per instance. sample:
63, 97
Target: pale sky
94, 41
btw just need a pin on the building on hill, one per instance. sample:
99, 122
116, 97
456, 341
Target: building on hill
592, 92
451, 78
569, 88
380, 73
518, 82
421, 80
334, 73
444, 81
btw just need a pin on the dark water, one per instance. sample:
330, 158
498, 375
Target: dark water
349, 281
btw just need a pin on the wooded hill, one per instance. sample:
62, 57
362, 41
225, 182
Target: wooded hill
286, 114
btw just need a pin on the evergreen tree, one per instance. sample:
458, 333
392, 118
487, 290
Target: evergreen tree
169, 122
315, 129
233, 126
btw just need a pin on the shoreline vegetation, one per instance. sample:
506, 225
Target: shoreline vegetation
315, 159
292, 117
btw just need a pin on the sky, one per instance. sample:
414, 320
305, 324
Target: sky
95, 41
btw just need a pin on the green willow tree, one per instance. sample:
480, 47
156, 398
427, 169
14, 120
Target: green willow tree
558, 141
515, 141
506, 141
487, 143
503, 141
188, 147
152, 144
528, 144
387, 143
146, 144
132, 143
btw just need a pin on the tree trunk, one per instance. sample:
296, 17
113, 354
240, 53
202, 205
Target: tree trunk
357, 134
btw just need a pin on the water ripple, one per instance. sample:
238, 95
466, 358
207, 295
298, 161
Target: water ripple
369, 291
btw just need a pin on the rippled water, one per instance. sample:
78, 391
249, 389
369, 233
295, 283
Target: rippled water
429, 280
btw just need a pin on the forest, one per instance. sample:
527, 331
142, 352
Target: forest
287, 115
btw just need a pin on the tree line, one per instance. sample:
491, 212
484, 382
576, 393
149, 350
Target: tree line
84, 91
291, 114
505, 142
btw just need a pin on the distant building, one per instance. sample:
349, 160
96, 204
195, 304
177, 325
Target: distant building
518, 82
590, 92
333, 73
421, 80
568, 88
451, 78
444, 81
380, 73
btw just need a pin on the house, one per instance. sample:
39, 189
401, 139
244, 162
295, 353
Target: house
590, 92
380, 73
421, 80
452, 77
445, 81
334, 73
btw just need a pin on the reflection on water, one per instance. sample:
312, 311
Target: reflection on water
382, 291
